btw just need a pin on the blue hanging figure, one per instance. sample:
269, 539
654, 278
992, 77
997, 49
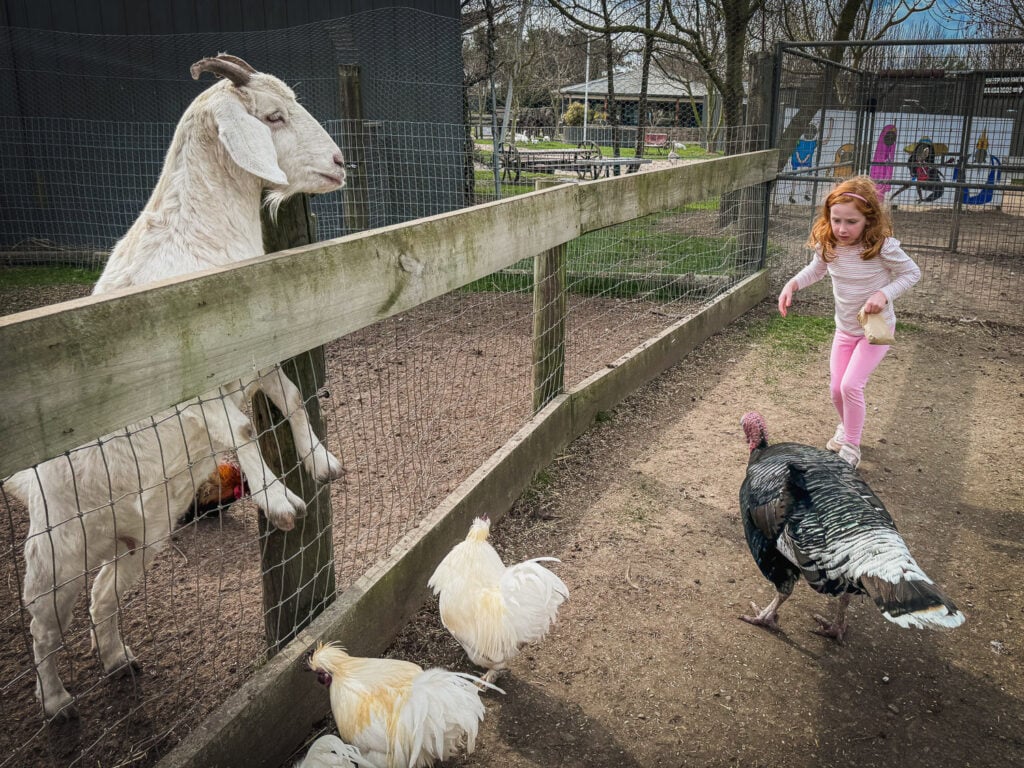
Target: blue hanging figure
803, 155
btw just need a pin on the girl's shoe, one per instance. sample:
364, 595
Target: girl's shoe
850, 454
837, 441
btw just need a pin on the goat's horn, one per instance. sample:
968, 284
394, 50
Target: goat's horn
224, 66
240, 62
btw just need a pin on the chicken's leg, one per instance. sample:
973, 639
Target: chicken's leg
491, 676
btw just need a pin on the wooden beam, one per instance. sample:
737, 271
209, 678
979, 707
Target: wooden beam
81, 369
297, 566
641, 194
387, 596
78, 370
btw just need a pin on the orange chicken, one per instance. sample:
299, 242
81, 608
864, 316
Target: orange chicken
222, 487
396, 713
490, 609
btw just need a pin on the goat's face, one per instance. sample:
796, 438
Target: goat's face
269, 134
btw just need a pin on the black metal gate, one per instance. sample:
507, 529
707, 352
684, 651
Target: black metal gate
939, 126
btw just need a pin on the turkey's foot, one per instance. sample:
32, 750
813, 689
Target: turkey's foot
767, 618
831, 629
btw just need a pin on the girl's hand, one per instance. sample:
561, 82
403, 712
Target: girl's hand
875, 304
786, 298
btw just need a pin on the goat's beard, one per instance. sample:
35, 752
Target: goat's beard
273, 198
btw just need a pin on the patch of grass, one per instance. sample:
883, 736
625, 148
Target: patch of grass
627, 260
635, 512
25, 277
796, 334
902, 327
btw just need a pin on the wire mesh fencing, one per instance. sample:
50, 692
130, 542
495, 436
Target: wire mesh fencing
938, 126
157, 525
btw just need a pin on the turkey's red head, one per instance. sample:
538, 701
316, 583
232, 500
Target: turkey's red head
755, 430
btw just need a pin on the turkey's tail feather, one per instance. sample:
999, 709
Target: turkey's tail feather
913, 603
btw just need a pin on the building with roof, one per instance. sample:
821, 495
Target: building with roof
671, 101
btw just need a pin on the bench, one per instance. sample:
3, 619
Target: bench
515, 161
656, 141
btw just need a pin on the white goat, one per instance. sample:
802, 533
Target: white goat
112, 504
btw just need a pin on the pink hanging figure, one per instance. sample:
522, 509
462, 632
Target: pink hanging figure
885, 156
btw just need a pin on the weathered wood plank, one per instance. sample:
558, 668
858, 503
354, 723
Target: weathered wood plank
388, 595
163, 344
297, 566
641, 194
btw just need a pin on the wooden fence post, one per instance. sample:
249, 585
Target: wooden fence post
755, 201
297, 566
356, 195
549, 306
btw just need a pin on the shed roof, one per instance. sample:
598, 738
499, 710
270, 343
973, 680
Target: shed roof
660, 85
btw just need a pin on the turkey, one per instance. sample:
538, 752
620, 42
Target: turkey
807, 512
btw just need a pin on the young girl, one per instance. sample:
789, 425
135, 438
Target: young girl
853, 243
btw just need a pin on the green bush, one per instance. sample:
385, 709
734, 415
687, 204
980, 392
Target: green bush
574, 114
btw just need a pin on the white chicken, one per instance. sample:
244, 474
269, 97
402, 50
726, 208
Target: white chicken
329, 751
396, 713
493, 611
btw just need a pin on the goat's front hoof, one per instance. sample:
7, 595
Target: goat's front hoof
322, 466
285, 522
298, 506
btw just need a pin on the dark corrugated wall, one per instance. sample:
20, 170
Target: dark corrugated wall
90, 93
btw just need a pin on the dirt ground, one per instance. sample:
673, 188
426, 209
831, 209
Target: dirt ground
648, 664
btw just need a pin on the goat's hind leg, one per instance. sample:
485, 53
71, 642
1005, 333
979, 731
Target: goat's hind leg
113, 580
320, 463
53, 581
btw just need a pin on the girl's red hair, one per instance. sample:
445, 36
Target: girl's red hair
863, 194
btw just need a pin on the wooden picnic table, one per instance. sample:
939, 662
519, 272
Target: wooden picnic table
515, 160
609, 166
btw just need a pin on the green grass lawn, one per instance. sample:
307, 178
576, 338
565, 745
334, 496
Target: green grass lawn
22, 277
627, 260
800, 334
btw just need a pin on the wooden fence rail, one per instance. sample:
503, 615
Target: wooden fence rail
81, 369
78, 370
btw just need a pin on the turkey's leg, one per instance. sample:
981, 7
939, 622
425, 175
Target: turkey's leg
769, 617
835, 629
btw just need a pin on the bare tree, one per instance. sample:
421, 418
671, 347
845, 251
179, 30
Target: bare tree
837, 21
713, 33
991, 18
478, 17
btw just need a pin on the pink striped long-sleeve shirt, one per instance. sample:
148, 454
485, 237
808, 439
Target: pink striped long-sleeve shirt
854, 280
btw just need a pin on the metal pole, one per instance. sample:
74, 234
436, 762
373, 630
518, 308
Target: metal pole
586, 90
495, 143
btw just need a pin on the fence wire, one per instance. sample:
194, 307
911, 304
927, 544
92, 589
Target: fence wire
411, 406
939, 126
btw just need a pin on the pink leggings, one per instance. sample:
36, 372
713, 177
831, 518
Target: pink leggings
852, 362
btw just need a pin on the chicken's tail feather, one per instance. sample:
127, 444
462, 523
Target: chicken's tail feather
913, 603
538, 594
479, 681
442, 713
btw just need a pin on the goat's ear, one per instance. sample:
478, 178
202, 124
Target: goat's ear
248, 141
